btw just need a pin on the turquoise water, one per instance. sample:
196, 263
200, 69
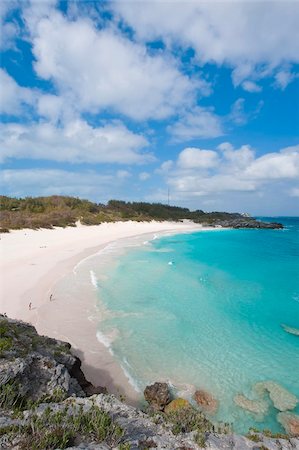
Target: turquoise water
204, 310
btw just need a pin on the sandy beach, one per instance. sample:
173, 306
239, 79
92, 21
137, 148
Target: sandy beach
33, 261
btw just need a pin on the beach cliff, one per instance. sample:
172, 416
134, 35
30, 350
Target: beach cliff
47, 403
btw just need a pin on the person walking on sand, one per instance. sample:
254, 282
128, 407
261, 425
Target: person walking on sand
30, 306
51, 297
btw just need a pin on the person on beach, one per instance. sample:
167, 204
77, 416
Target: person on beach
30, 306
51, 297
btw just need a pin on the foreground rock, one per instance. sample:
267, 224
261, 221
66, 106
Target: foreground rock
140, 431
37, 368
157, 395
206, 401
282, 399
254, 406
290, 422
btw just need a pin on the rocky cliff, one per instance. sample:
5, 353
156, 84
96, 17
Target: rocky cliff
46, 403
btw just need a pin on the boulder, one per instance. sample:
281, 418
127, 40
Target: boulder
290, 422
157, 395
177, 404
206, 401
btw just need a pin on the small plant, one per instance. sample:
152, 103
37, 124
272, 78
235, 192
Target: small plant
5, 344
10, 397
52, 430
254, 437
189, 419
270, 434
124, 446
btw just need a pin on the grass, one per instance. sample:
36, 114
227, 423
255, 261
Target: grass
5, 344
10, 397
63, 428
188, 419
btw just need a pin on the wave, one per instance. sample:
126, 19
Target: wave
93, 279
125, 367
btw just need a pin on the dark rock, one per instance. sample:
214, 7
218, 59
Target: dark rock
88, 388
157, 395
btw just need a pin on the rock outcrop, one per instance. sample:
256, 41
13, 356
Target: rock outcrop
206, 401
42, 370
157, 395
254, 406
37, 367
290, 422
282, 399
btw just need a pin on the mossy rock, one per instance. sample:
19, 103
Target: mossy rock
177, 404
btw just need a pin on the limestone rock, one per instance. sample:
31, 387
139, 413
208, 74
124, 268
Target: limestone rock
282, 399
157, 395
254, 406
206, 401
290, 422
290, 330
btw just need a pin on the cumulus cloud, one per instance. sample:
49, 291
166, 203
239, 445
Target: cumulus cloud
194, 158
14, 98
75, 142
253, 38
198, 172
100, 69
197, 123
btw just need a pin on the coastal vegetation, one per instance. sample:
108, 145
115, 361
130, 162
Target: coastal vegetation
62, 211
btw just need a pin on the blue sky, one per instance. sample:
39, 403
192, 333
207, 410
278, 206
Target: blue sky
127, 99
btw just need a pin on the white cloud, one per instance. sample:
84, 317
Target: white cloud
253, 38
143, 176
283, 78
100, 69
203, 172
75, 142
195, 158
284, 164
14, 98
89, 184
9, 27
250, 86
197, 123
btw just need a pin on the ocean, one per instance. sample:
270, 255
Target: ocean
204, 310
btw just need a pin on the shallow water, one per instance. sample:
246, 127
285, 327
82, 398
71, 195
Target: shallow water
204, 310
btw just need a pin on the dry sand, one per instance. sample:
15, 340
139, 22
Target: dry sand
31, 262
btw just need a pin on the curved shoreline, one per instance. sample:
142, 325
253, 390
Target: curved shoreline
32, 262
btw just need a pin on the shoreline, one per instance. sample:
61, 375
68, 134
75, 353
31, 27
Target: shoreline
32, 263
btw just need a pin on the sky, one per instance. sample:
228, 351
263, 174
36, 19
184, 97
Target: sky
133, 99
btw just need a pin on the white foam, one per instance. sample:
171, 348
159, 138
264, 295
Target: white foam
129, 377
103, 339
93, 279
